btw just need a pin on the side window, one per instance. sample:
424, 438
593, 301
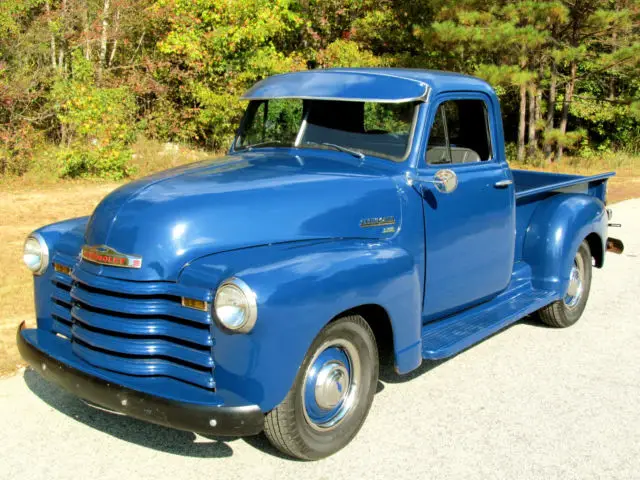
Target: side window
460, 133
438, 146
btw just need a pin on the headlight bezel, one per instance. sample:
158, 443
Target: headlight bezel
251, 305
44, 253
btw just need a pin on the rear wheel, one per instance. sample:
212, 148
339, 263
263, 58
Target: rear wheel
332, 393
567, 311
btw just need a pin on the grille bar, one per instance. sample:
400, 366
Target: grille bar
61, 327
140, 288
142, 347
146, 326
62, 296
61, 312
135, 328
146, 367
138, 306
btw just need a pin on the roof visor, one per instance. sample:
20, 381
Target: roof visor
347, 86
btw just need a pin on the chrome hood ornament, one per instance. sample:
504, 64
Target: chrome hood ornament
105, 255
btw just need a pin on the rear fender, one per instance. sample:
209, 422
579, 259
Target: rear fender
558, 226
299, 289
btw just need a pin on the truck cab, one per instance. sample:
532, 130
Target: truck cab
357, 210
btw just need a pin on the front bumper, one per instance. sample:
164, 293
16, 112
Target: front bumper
210, 420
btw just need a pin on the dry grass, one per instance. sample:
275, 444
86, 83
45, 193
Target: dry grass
25, 208
34, 200
625, 185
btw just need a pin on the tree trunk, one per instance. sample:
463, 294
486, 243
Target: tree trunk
116, 27
522, 123
531, 134
568, 96
47, 8
104, 36
538, 113
551, 110
62, 46
612, 78
85, 21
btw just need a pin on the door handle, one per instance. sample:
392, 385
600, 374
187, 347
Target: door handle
503, 183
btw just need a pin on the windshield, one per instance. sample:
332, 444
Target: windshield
379, 129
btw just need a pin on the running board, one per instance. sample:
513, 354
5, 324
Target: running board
445, 338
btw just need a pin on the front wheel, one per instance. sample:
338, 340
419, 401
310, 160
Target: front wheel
567, 311
332, 393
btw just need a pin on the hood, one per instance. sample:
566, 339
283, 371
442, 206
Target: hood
250, 199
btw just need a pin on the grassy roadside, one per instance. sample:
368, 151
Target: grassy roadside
29, 202
625, 185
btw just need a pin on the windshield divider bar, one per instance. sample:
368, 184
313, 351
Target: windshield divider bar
303, 128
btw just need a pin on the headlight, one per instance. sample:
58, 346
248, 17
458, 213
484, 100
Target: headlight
235, 305
36, 254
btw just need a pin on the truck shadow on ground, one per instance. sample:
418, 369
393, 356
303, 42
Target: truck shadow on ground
125, 428
141, 433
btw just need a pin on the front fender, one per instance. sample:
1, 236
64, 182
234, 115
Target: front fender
557, 228
300, 288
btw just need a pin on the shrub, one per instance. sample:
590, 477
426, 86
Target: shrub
97, 125
17, 144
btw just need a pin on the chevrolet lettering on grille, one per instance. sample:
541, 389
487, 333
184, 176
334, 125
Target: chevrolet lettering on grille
105, 255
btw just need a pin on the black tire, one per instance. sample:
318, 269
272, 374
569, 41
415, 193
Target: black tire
289, 428
561, 313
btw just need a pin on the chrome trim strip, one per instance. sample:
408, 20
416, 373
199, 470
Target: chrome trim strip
421, 98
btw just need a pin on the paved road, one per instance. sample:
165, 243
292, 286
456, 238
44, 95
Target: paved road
531, 402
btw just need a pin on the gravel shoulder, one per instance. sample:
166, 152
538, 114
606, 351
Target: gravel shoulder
530, 402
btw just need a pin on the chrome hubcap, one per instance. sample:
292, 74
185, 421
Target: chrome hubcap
331, 384
576, 283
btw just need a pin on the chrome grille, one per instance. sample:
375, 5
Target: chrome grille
135, 328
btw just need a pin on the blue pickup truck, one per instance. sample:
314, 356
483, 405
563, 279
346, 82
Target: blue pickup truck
358, 210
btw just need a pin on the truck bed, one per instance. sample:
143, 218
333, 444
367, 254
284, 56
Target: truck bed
529, 183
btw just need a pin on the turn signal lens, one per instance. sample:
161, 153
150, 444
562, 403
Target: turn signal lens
195, 304
62, 269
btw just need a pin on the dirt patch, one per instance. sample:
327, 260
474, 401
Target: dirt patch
623, 188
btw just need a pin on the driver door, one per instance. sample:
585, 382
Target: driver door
470, 232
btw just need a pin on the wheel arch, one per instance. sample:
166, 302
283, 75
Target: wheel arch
380, 322
596, 245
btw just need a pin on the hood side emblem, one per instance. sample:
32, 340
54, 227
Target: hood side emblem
377, 222
104, 255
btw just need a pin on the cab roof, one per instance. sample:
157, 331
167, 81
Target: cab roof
388, 85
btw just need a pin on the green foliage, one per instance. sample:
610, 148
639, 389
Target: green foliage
175, 69
345, 53
98, 125
17, 147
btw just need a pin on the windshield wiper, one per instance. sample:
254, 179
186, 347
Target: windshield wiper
355, 153
264, 144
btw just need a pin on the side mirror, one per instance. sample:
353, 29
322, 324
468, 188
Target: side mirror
446, 181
